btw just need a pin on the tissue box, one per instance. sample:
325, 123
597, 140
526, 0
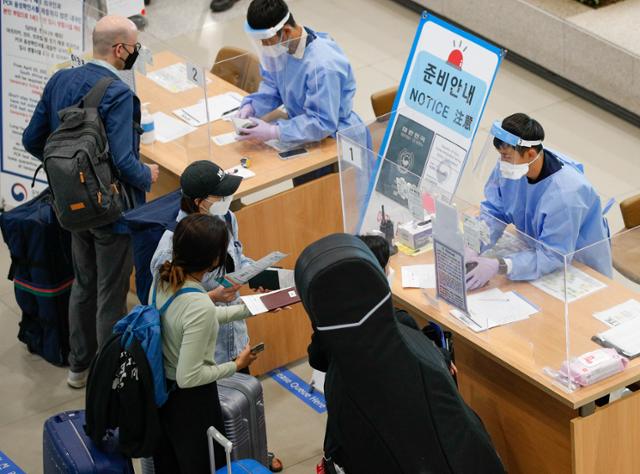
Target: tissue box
415, 235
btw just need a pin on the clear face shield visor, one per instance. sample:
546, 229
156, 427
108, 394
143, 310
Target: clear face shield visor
505, 144
268, 44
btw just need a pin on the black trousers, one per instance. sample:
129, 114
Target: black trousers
185, 418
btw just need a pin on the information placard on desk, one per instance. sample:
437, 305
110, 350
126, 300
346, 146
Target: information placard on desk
446, 83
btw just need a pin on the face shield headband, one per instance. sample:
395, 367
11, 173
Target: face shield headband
265, 33
503, 136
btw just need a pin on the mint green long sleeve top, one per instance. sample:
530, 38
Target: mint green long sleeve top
189, 332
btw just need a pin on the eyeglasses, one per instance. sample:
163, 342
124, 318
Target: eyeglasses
136, 47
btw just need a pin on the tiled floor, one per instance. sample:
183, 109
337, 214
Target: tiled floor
376, 35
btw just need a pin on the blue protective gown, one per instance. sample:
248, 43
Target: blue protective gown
317, 91
563, 211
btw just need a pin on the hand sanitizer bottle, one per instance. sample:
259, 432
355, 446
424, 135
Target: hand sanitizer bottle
148, 127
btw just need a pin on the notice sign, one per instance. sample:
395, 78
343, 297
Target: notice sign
450, 275
441, 98
36, 35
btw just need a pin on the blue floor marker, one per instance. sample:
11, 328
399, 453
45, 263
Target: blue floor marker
300, 389
7, 466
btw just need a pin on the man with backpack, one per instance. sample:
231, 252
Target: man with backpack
86, 131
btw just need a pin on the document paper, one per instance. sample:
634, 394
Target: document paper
261, 303
494, 308
224, 138
625, 338
168, 129
173, 78
619, 314
419, 276
196, 115
579, 284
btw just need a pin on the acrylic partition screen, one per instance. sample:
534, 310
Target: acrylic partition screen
503, 289
271, 88
602, 293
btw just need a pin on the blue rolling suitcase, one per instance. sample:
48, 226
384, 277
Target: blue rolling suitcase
67, 449
243, 466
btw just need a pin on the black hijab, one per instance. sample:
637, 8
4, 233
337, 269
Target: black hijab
392, 404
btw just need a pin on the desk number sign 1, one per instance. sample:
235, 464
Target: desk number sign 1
195, 74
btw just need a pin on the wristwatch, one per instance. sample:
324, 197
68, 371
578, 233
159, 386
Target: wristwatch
503, 268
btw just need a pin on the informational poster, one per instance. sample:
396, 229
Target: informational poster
450, 275
36, 35
448, 250
440, 101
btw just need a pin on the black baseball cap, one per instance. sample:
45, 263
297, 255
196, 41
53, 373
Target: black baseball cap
204, 178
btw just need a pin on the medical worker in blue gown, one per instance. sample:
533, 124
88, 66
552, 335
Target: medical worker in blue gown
546, 196
304, 70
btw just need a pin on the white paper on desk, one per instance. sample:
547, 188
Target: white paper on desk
419, 276
619, 314
173, 78
579, 284
168, 129
241, 171
219, 105
224, 139
246, 273
625, 337
493, 308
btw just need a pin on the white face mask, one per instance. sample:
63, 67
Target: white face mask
275, 50
513, 171
221, 207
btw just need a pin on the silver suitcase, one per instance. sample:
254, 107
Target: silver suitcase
243, 414
244, 423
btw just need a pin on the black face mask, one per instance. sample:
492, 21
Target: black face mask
131, 60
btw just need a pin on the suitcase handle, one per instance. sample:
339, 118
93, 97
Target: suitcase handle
214, 434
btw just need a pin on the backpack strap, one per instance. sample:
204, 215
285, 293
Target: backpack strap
181, 291
93, 98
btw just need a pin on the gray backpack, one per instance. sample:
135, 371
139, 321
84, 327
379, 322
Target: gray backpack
82, 177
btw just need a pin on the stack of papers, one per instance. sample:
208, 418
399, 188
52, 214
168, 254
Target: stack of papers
494, 308
578, 283
168, 129
219, 106
419, 276
625, 338
619, 314
173, 78
264, 302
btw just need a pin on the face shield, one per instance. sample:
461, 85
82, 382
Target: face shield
512, 165
269, 45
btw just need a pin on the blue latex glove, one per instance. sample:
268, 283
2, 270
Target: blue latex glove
246, 111
262, 132
486, 269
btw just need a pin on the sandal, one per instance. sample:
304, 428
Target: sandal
275, 465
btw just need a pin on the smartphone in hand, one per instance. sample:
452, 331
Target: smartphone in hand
257, 348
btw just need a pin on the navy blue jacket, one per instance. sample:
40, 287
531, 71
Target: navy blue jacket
120, 113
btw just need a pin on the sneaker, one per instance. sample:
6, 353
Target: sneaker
77, 379
221, 5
